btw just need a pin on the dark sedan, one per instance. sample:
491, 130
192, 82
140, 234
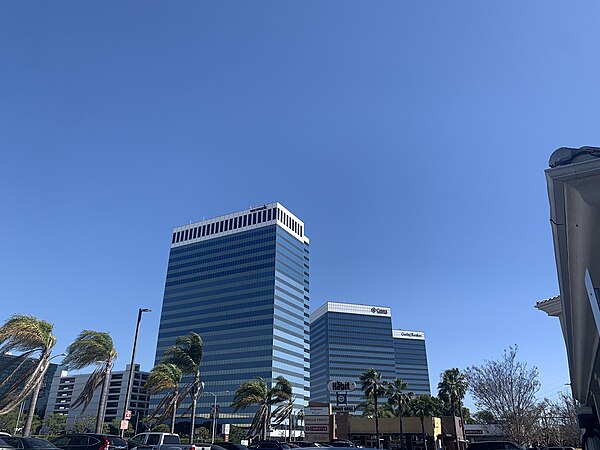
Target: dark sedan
90, 441
28, 443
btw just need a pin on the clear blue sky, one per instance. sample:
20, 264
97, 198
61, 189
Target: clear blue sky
411, 137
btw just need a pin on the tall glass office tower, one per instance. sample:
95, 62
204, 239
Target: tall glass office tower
241, 281
347, 339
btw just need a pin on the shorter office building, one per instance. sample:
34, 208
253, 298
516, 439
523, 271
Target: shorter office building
8, 364
410, 356
348, 339
66, 388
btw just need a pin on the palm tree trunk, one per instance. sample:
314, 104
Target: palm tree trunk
423, 432
103, 393
34, 398
454, 420
175, 395
267, 422
194, 403
290, 425
401, 426
376, 421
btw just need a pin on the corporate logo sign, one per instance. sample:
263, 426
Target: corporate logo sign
379, 310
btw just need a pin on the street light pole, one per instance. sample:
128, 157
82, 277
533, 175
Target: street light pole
214, 424
131, 367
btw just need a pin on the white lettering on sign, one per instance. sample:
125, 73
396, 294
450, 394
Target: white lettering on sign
316, 420
341, 385
317, 428
316, 411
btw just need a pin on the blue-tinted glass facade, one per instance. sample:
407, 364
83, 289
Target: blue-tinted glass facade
411, 364
246, 292
344, 346
348, 339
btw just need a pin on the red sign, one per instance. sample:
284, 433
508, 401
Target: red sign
128, 415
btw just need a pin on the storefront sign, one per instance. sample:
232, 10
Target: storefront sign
316, 411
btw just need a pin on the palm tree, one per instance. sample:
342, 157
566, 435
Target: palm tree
92, 348
422, 406
187, 354
373, 388
256, 392
453, 388
166, 377
31, 336
398, 398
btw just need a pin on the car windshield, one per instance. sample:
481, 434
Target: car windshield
37, 443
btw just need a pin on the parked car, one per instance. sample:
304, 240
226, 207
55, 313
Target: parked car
270, 445
4, 445
494, 445
341, 443
28, 443
158, 441
89, 441
227, 446
311, 444
201, 446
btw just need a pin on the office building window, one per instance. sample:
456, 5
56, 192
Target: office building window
174, 237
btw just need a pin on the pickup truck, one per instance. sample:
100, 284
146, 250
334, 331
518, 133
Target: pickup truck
162, 441
157, 441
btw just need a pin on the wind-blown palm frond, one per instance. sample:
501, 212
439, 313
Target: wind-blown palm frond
187, 355
282, 412
93, 382
260, 418
90, 348
22, 333
165, 377
18, 362
28, 335
93, 348
256, 392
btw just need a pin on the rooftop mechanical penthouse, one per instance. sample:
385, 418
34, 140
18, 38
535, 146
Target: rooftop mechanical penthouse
241, 281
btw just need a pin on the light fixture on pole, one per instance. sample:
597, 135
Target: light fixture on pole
131, 367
